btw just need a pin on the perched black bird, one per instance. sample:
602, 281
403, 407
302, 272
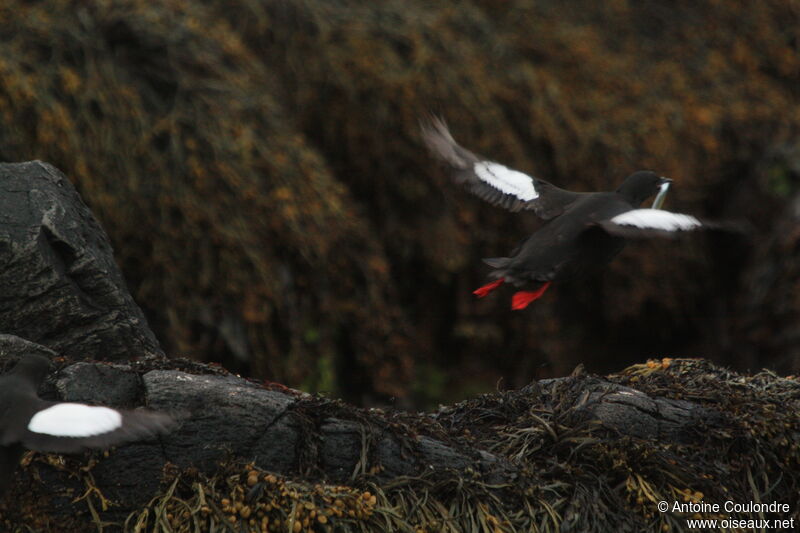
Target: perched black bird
583, 230
28, 422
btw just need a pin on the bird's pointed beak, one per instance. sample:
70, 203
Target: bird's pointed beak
663, 187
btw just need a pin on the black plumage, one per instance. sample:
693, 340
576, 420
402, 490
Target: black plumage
582, 232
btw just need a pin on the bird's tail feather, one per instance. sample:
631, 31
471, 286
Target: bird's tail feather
497, 262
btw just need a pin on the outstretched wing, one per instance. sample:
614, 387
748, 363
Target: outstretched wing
73, 427
643, 223
493, 182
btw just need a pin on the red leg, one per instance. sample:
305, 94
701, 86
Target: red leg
521, 299
489, 287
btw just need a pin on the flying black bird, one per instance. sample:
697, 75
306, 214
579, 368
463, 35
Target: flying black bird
583, 230
28, 422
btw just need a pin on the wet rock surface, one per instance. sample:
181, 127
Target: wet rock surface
61, 287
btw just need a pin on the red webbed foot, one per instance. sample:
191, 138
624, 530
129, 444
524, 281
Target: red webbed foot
521, 299
489, 287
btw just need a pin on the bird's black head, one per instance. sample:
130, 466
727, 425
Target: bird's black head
33, 367
641, 185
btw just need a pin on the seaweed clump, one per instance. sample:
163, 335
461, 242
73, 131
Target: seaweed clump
580, 453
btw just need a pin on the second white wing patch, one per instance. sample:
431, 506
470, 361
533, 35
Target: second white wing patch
506, 180
657, 219
75, 420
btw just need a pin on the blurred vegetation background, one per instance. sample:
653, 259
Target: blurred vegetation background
258, 167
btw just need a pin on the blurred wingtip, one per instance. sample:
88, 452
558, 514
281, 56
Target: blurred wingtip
440, 143
432, 124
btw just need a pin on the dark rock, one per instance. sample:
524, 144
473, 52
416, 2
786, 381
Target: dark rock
341, 448
276, 448
13, 347
116, 385
225, 417
60, 284
634, 413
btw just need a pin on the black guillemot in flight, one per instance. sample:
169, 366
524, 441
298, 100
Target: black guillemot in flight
28, 422
583, 231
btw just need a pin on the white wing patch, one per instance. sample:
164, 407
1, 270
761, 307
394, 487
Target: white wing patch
506, 180
75, 420
657, 219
